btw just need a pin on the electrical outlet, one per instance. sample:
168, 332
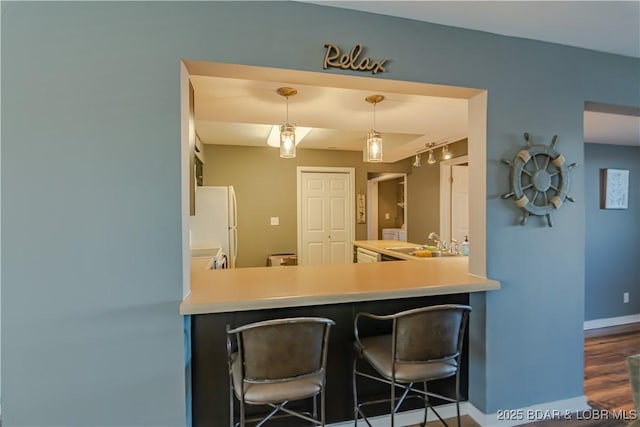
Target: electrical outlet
387, 216
275, 220
625, 297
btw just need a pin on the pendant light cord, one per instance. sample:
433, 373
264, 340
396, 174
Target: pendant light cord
374, 115
287, 109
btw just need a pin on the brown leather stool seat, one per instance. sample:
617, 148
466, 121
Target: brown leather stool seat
376, 351
425, 345
277, 361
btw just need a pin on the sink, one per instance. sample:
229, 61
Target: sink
405, 250
409, 250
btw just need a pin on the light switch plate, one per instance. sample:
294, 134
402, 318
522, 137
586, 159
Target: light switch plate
275, 220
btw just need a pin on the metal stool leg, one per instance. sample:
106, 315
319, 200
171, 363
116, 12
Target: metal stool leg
458, 395
322, 406
355, 393
230, 407
393, 402
315, 406
426, 404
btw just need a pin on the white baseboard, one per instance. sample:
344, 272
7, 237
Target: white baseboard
409, 418
557, 409
611, 321
519, 416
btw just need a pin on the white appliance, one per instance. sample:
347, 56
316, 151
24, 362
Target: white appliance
217, 259
215, 221
365, 255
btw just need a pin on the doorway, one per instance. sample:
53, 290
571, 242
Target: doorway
454, 199
397, 204
326, 215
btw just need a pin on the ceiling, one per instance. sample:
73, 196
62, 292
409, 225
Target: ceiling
606, 26
232, 111
237, 111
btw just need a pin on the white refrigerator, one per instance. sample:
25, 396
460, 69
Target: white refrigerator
215, 221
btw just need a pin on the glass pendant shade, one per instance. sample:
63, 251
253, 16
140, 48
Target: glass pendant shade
373, 149
287, 141
287, 130
431, 160
417, 162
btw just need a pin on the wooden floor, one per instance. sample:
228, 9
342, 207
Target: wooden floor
606, 380
583, 420
606, 376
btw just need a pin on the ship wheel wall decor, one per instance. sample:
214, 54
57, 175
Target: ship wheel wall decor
539, 180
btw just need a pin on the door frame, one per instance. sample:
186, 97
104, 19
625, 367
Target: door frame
445, 195
351, 206
372, 202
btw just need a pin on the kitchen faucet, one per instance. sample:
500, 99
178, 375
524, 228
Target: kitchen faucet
436, 239
455, 247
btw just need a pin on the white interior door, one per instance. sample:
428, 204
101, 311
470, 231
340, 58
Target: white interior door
325, 218
459, 202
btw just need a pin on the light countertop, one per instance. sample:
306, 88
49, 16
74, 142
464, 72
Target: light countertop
240, 289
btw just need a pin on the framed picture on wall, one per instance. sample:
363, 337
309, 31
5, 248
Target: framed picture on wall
614, 189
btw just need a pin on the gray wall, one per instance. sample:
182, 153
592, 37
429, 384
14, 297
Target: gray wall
91, 263
613, 236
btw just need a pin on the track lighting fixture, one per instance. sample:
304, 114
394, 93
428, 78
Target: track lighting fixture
431, 160
446, 154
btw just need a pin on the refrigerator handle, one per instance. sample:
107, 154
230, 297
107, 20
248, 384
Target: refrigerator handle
234, 227
234, 206
235, 246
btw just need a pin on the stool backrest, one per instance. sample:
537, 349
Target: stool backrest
430, 333
283, 348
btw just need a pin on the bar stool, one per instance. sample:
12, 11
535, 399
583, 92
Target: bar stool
425, 345
276, 361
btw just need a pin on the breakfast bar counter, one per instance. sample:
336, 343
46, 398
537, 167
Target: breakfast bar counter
241, 289
229, 298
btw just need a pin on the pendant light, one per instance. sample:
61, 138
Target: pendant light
373, 147
287, 130
417, 162
431, 160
